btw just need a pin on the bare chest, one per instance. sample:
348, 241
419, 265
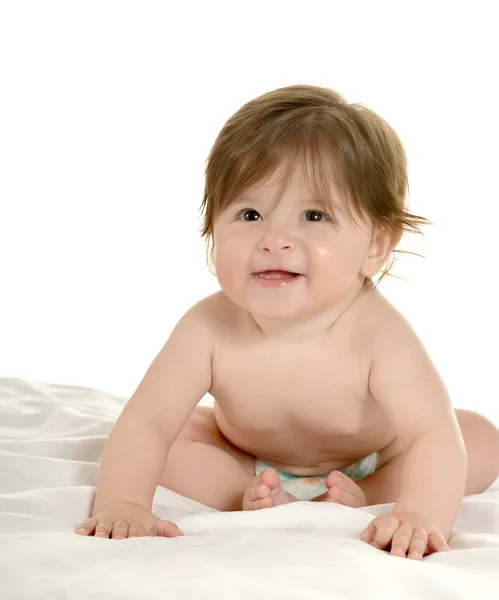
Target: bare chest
301, 405
321, 391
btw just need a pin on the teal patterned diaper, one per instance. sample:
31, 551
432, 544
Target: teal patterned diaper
305, 487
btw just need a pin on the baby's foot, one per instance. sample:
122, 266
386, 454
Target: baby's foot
343, 490
265, 491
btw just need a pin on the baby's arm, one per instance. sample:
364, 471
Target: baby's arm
137, 448
406, 384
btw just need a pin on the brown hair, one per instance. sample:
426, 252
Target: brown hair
341, 143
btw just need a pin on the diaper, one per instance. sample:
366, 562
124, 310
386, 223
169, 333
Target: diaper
305, 487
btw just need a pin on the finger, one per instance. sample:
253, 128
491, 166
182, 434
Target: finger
385, 528
135, 529
87, 527
166, 529
401, 539
368, 534
103, 528
120, 530
417, 544
437, 542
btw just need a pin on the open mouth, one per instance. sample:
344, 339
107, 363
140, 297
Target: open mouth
276, 279
277, 275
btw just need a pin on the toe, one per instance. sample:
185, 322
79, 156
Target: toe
268, 502
266, 491
344, 490
336, 494
339, 479
270, 477
334, 478
258, 495
260, 491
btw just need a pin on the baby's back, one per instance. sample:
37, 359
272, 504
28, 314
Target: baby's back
304, 407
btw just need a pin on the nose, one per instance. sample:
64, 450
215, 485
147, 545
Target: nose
277, 240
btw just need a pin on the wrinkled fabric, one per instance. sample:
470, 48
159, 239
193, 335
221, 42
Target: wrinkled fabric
51, 441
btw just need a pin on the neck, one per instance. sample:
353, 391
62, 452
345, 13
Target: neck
312, 327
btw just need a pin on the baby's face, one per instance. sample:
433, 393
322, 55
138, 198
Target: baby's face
254, 235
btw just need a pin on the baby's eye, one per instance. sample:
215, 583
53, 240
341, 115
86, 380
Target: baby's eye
315, 216
250, 213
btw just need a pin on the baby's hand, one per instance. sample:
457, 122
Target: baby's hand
407, 532
127, 520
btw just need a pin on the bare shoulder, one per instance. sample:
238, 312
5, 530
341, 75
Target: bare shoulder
383, 325
403, 379
213, 315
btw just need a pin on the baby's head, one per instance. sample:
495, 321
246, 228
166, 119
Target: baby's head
308, 146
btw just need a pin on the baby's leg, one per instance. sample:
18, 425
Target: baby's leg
481, 438
203, 465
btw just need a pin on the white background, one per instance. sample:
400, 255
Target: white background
108, 112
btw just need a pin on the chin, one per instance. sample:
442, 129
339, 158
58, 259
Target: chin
274, 315
279, 311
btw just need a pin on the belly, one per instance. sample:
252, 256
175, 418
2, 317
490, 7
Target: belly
302, 447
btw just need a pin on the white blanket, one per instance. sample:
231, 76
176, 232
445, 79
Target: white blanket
51, 441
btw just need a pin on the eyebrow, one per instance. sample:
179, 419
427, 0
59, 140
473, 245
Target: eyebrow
252, 200
244, 200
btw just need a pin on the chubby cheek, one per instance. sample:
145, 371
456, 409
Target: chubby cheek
331, 273
231, 266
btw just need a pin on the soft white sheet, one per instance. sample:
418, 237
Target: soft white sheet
51, 440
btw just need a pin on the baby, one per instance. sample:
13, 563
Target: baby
322, 389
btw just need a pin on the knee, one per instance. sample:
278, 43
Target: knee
473, 424
481, 438
479, 429
201, 426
